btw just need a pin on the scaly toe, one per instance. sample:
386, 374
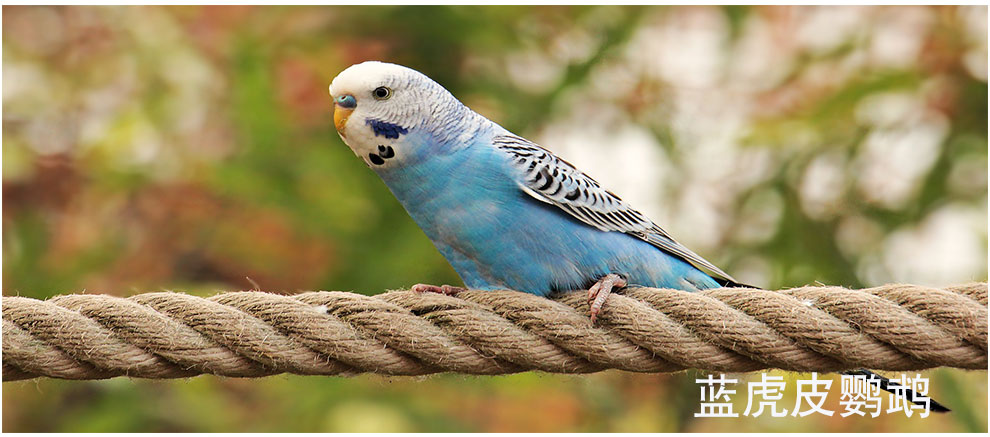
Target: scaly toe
451, 290
426, 288
447, 290
593, 292
598, 293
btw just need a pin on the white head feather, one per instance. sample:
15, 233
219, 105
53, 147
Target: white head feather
415, 103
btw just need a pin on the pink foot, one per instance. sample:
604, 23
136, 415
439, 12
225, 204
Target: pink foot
599, 292
448, 290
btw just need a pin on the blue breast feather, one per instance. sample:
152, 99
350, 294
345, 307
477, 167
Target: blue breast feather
497, 237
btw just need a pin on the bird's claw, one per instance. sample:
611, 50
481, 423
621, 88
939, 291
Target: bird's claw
447, 290
599, 292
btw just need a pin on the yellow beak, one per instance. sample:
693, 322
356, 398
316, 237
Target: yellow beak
340, 118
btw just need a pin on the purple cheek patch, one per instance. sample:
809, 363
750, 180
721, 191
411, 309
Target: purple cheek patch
386, 129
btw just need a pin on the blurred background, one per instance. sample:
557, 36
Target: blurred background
192, 149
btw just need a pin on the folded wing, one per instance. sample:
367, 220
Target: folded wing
550, 179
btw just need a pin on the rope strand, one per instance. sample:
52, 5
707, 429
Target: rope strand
253, 334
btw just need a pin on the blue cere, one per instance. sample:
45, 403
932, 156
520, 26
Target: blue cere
386, 129
347, 101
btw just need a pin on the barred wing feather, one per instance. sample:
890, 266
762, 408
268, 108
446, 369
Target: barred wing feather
550, 179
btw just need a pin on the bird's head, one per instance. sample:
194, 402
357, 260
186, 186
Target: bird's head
378, 106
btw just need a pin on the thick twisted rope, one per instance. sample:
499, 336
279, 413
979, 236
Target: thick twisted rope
251, 334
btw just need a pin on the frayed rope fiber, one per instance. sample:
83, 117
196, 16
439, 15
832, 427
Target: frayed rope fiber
253, 334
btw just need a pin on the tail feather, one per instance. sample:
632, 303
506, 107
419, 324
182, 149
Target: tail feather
727, 283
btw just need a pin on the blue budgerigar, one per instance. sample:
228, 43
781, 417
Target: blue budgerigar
505, 212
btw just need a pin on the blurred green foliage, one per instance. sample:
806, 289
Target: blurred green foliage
191, 149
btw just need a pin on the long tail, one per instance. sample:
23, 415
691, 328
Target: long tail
733, 284
888, 385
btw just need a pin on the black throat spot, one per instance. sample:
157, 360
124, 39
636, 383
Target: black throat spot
384, 152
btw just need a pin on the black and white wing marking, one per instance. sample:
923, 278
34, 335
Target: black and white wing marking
550, 179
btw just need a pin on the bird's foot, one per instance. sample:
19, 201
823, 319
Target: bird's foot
599, 292
447, 290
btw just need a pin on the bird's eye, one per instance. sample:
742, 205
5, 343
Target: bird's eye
382, 93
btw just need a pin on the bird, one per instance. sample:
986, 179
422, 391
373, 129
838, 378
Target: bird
505, 212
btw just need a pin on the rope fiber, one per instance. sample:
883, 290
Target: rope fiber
252, 334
